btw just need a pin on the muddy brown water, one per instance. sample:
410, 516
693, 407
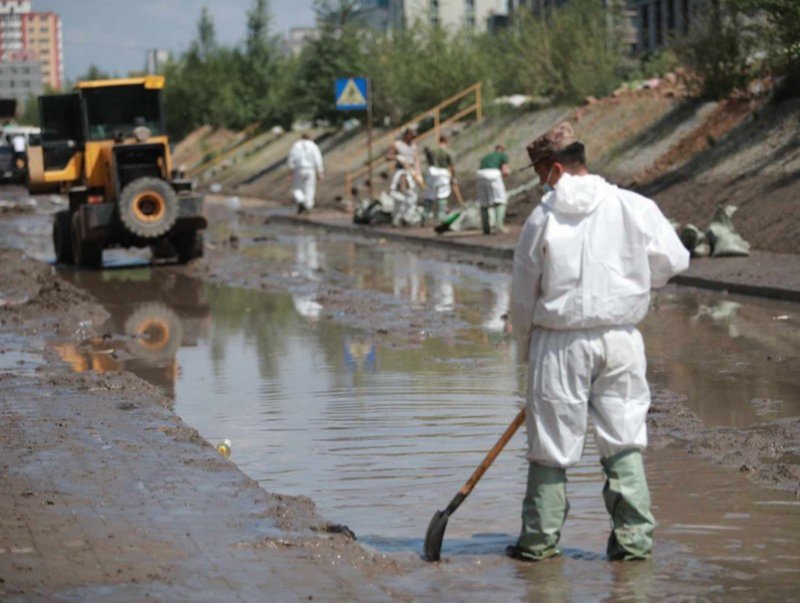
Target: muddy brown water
381, 436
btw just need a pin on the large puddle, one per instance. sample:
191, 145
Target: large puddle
380, 436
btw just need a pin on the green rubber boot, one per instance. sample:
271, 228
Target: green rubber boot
427, 211
628, 502
441, 209
500, 217
544, 510
487, 227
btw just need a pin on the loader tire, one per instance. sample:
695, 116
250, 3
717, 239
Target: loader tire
148, 207
86, 254
62, 237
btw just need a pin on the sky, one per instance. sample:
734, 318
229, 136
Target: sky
116, 34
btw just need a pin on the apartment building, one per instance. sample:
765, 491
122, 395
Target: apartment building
656, 21
21, 77
653, 22
22, 29
474, 15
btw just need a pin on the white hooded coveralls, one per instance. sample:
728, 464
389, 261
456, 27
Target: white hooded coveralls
491, 189
586, 260
305, 161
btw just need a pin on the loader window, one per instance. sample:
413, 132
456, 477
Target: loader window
117, 110
60, 118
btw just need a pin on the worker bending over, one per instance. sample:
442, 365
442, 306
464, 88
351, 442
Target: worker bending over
584, 265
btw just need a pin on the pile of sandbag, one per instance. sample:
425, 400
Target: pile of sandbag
720, 239
397, 207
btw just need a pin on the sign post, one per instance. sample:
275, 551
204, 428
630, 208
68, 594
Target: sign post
355, 94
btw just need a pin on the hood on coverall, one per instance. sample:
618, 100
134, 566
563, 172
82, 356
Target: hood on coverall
588, 256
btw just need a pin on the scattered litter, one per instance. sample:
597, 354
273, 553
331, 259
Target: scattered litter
781, 317
224, 448
351, 124
514, 100
57, 200
82, 332
7, 302
336, 528
215, 187
20, 205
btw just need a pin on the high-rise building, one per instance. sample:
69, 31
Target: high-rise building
652, 23
474, 15
21, 77
658, 21
21, 29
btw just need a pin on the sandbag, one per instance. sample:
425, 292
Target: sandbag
722, 235
695, 241
375, 212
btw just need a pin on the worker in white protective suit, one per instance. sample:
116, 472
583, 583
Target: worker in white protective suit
305, 161
584, 265
492, 190
403, 191
440, 176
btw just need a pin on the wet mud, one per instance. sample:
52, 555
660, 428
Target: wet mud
372, 380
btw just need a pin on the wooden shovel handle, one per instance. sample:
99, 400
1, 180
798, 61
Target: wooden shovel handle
460, 200
487, 462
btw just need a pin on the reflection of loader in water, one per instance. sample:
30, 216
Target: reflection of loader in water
153, 333
152, 314
156, 332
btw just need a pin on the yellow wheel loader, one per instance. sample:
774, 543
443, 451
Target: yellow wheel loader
105, 146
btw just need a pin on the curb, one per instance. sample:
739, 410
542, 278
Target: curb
506, 253
372, 233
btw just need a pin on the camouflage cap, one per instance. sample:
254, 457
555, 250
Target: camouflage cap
552, 141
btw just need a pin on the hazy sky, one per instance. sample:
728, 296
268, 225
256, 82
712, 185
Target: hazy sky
115, 34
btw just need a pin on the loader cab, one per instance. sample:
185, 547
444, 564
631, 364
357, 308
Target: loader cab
82, 130
105, 145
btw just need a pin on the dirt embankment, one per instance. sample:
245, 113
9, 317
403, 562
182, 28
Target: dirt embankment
688, 154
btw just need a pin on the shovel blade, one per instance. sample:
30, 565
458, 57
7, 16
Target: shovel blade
435, 535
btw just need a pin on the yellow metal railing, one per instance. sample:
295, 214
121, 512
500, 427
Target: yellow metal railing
438, 125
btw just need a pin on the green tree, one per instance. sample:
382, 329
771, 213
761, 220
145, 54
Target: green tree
206, 35
94, 73
337, 52
30, 112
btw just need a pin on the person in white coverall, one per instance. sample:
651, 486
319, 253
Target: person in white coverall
305, 161
584, 265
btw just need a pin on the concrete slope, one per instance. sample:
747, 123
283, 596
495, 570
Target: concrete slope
755, 167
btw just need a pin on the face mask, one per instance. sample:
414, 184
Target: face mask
547, 187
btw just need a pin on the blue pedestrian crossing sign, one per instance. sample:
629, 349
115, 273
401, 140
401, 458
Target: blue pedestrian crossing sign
351, 93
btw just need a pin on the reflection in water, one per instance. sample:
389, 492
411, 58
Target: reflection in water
443, 290
498, 314
407, 280
359, 353
721, 312
308, 266
306, 306
381, 437
152, 315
